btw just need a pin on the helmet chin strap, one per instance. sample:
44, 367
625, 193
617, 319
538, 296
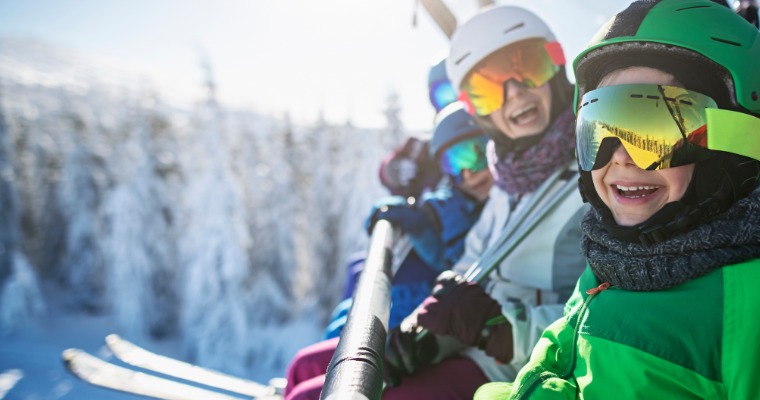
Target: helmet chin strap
717, 183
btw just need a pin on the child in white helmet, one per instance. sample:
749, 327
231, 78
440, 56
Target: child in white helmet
510, 70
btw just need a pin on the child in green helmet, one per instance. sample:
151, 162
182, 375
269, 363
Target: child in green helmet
668, 119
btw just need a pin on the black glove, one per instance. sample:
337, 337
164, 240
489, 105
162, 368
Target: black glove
405, 352
465, 311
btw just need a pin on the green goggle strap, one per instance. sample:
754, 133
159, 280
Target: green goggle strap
736, 132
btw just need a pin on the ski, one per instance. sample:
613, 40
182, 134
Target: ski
442, 15
101, 373
135, 355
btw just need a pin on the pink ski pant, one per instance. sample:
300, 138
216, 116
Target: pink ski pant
454, 378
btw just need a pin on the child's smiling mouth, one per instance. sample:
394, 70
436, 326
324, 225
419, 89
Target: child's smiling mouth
635, 192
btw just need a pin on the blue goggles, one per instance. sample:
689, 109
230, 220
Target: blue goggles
468, 154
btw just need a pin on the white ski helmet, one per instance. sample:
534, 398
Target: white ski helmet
488, 31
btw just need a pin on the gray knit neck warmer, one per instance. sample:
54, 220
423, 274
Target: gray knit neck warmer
730, 238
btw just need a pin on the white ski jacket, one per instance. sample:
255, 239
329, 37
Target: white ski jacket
534, 281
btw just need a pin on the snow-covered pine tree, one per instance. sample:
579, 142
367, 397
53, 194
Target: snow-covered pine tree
138, 242
213, 248
21, 301
79, 195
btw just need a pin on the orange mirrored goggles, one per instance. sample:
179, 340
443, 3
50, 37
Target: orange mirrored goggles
531, 62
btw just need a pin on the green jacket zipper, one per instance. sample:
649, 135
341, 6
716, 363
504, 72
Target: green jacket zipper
539, 377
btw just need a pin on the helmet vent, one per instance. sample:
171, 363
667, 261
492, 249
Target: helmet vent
726, 41
691, 8
512, 28
460, 59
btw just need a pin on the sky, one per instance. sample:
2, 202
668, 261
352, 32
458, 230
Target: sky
334, 59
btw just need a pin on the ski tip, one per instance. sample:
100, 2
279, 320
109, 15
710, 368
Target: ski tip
70, 354
112, 338
278, 384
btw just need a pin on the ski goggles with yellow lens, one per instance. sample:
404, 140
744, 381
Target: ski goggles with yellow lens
531, 62
469, 154
659, 126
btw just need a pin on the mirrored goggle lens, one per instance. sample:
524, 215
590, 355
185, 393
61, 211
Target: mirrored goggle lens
529, 62
442, 94
659, 126
468, 154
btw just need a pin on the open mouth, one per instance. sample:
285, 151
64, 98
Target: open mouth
524, 115
635, 192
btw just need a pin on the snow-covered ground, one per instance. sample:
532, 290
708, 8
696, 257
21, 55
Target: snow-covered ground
34, 354
31, 367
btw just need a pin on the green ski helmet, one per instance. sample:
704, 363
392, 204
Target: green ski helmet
709, 49
700, 33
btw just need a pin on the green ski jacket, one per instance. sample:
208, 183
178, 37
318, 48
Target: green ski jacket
697, 340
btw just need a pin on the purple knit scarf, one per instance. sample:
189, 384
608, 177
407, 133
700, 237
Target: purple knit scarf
518, 172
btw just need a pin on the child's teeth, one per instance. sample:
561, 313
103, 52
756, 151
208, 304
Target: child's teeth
629, 188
